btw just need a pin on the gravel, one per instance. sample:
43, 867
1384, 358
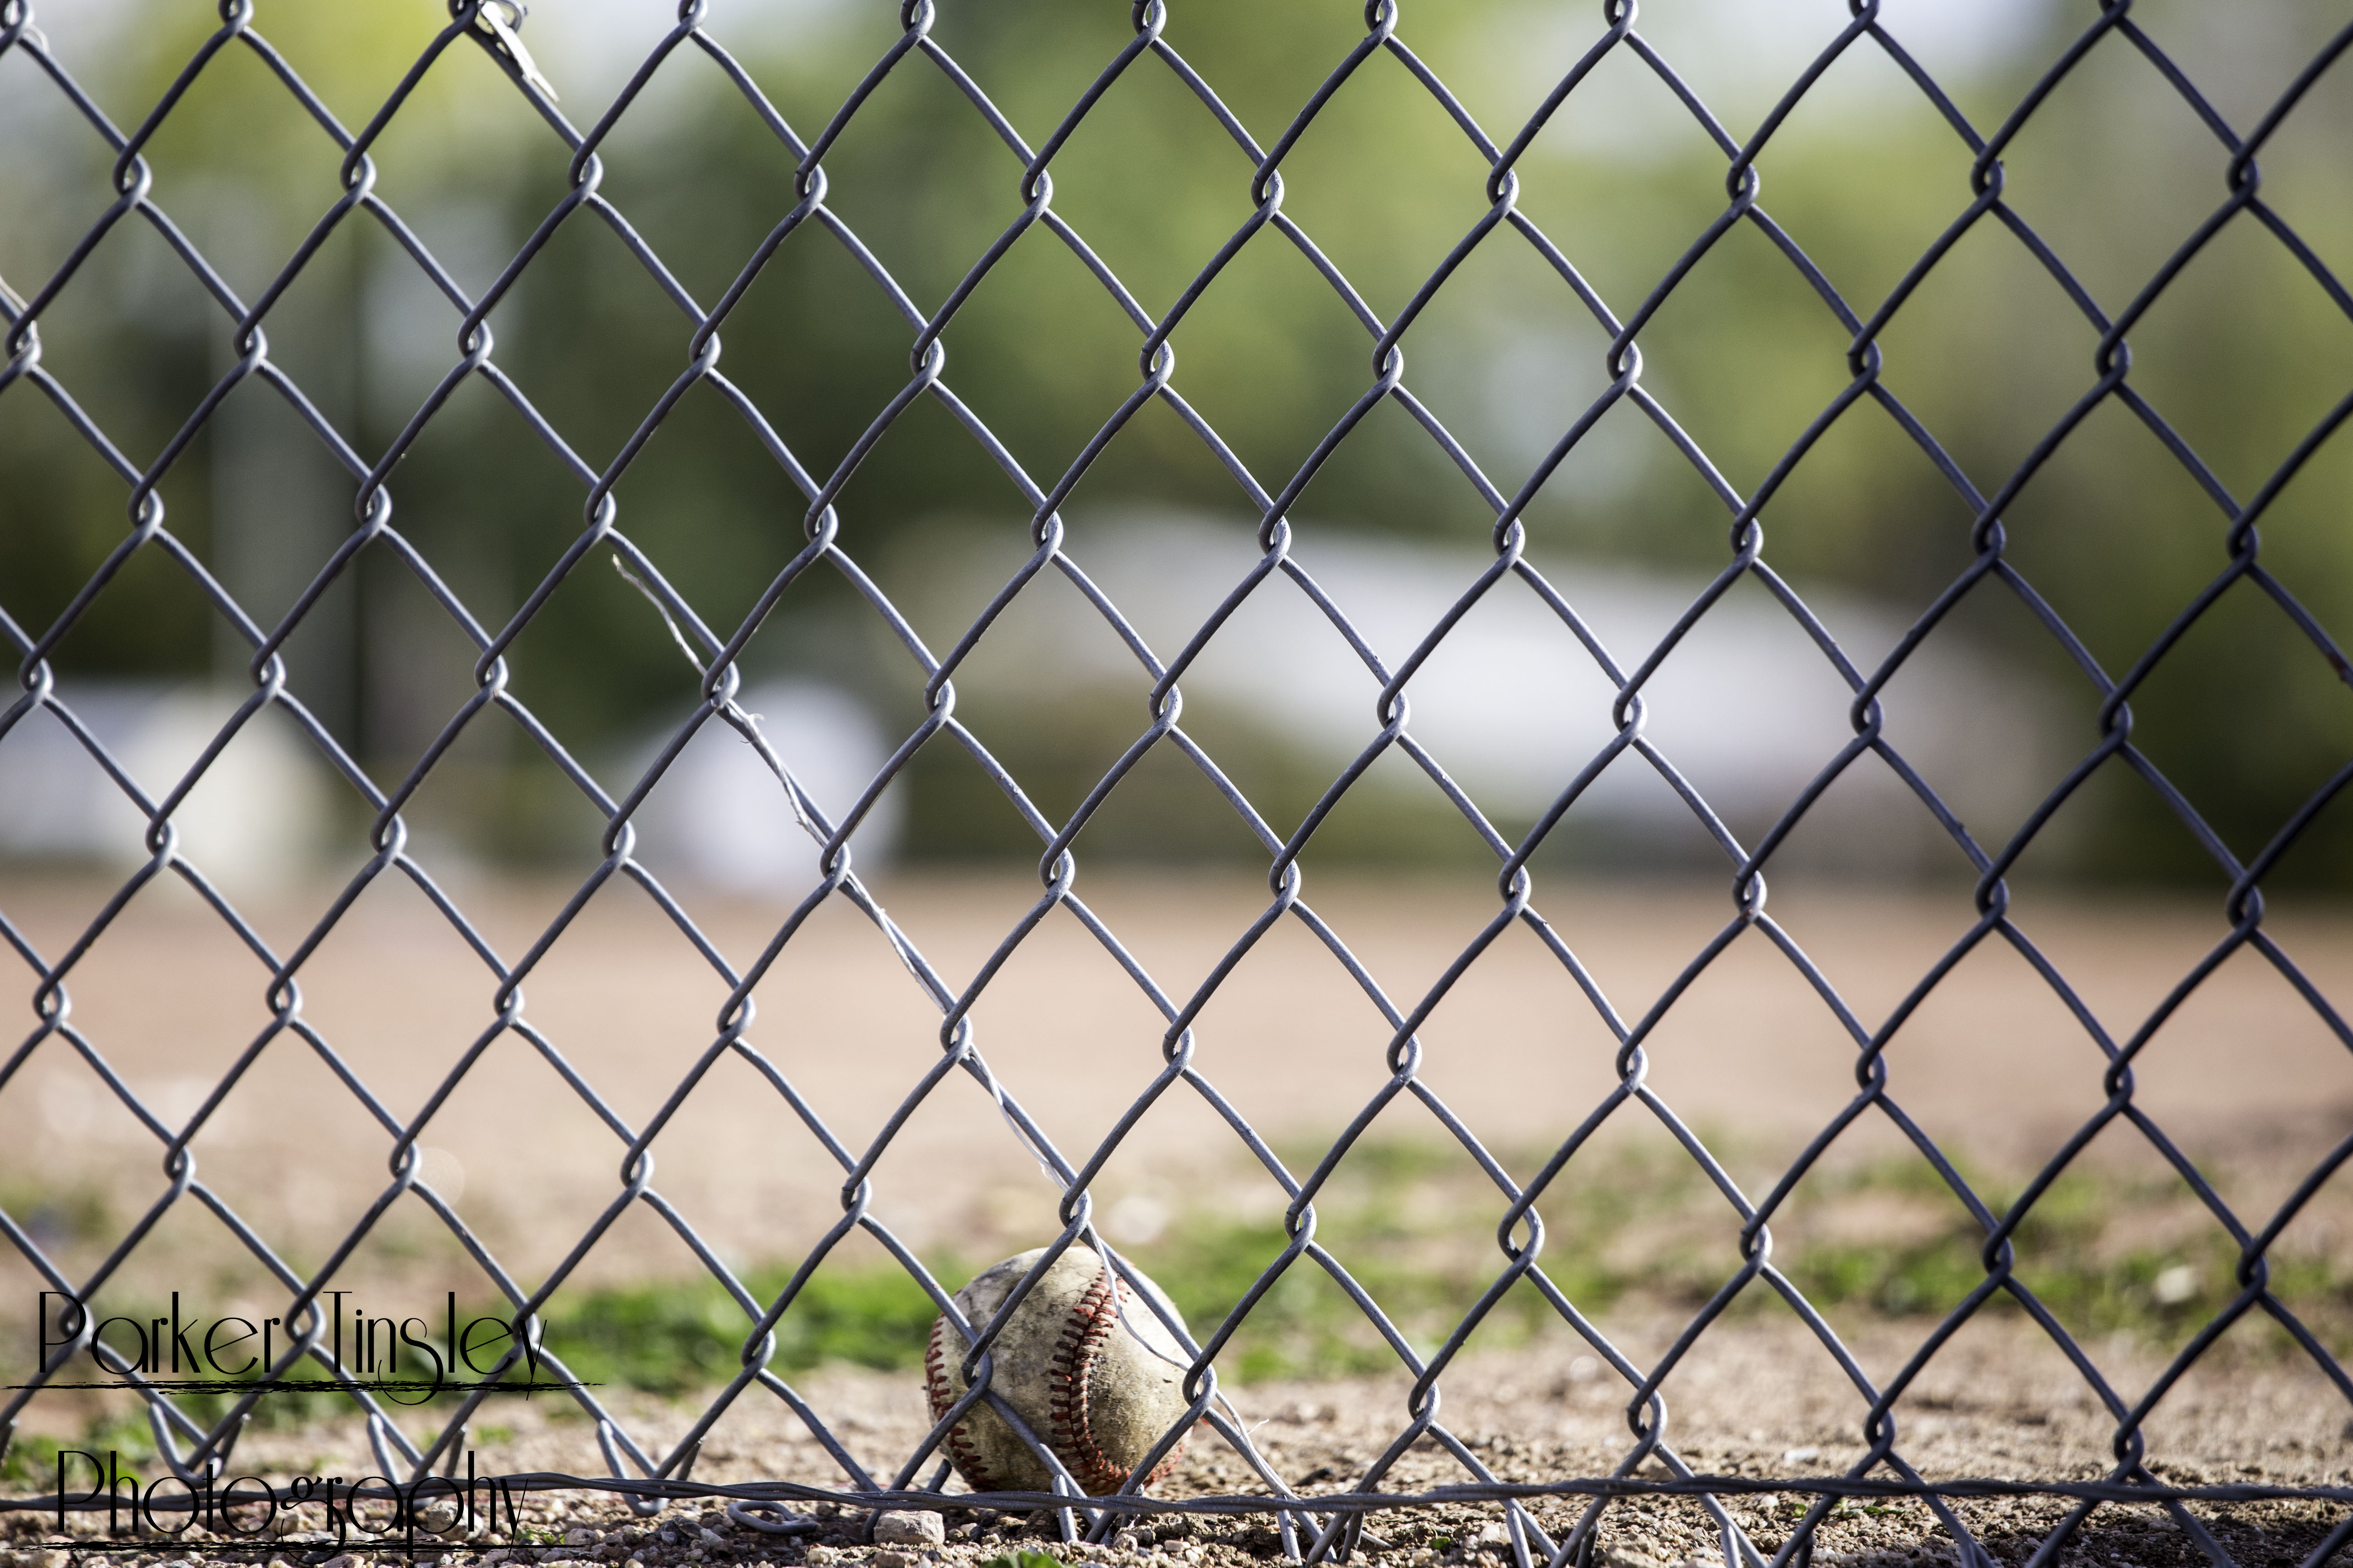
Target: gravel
1757, 1398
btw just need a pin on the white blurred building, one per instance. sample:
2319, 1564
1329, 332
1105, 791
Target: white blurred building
720, 817
254, 820
1748, 708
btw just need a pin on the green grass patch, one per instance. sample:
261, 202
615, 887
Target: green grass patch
1413, 1224
1626, 1228
669, 1337
1400, 1219
54, 1215
1024, 1560
33, 1461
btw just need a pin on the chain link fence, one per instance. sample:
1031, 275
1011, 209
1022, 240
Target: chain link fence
1311, 1526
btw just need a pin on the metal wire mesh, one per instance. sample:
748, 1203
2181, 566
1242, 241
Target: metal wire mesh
1323, 1524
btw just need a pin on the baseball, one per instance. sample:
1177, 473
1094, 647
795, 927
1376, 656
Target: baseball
1086, 1364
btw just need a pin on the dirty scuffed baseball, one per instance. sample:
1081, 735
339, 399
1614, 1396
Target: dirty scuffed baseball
1083, 1360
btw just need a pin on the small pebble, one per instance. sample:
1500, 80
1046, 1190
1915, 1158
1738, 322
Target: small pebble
890, 1559
909, 1527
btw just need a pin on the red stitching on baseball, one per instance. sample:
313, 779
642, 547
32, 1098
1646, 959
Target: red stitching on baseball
958, 1443
1091, 1322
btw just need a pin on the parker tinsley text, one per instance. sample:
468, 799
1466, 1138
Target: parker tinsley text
411, 1358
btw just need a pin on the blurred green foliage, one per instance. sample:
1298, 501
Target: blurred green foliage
2243, 353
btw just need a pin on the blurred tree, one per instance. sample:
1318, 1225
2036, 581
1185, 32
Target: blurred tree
244, 170
2243, 355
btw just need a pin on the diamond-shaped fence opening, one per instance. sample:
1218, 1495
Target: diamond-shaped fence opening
493, 573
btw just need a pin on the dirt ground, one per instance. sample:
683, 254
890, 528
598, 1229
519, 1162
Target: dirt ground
1758, 1401
1994, 1063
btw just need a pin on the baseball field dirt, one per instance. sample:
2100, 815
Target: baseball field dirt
1757, 1403
2245, 1076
